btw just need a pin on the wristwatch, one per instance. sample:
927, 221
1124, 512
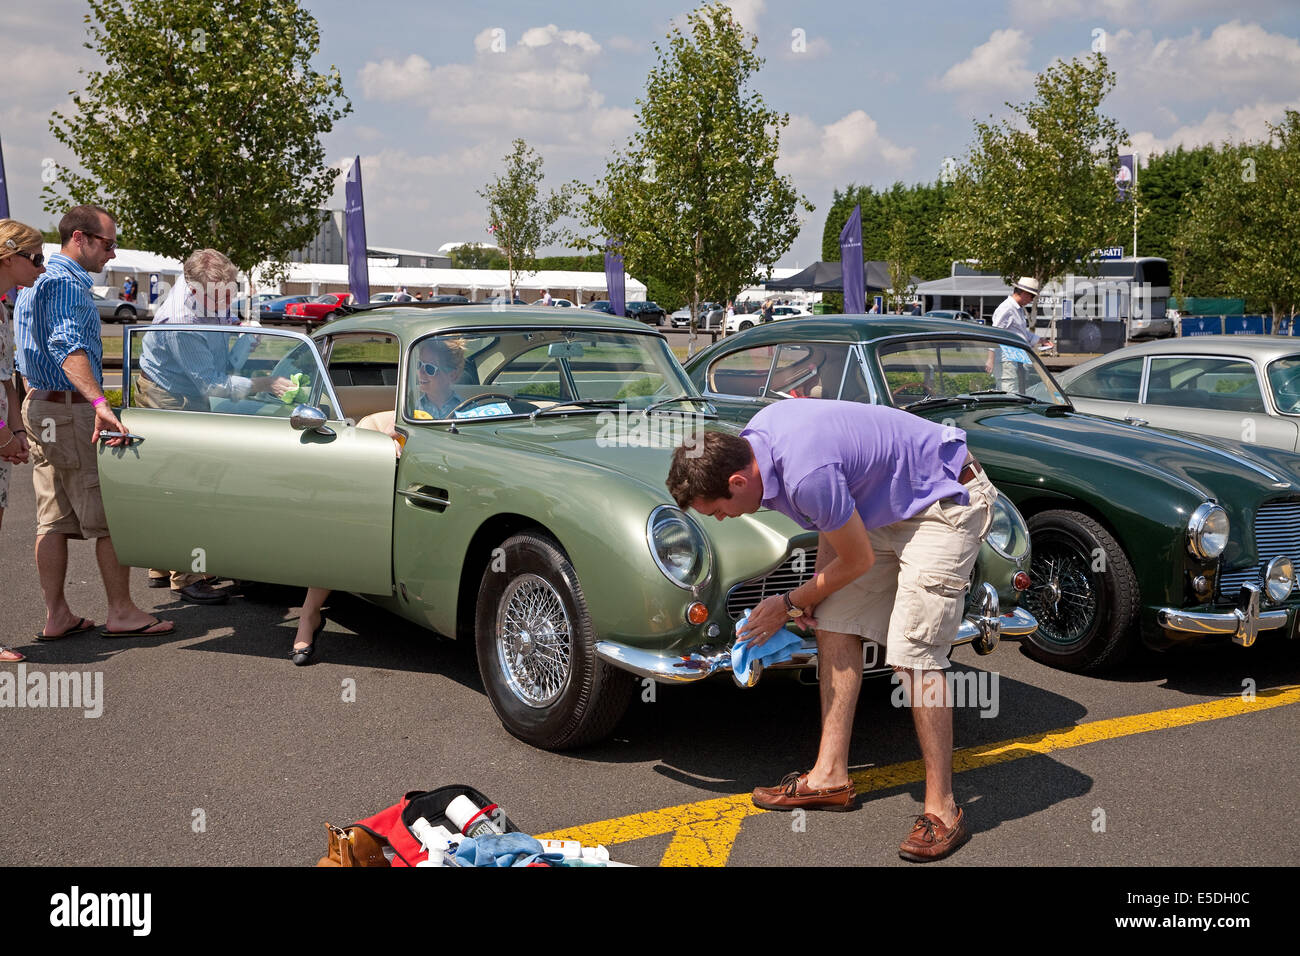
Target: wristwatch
790, 609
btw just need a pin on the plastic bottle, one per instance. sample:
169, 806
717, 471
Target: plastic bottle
433, 841
472, 820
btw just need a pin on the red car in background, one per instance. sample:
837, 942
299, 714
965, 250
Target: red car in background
320, 309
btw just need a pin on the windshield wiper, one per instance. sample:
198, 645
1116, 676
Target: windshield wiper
1010, 396
584, 403
935, 400
668, 401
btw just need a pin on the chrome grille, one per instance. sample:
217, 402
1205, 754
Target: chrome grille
1277, 531
779, 580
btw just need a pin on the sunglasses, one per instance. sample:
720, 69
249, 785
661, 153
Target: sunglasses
429, 368
35, 258
109, 244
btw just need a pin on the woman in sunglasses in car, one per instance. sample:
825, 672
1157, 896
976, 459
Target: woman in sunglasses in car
21, 262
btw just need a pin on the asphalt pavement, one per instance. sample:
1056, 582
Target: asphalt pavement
217, 750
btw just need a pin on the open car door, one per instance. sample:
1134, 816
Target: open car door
230, 478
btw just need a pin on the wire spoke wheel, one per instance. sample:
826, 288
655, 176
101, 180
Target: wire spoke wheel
533, 640
1065, 599
1085, 595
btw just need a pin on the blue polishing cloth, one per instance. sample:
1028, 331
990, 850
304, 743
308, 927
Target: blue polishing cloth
500, 849
777, 648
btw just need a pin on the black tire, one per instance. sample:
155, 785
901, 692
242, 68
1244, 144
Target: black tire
1084, 593
331, 316
530, 697
124, 313
746, 325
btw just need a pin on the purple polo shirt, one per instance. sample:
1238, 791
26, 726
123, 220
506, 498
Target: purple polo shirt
822, 459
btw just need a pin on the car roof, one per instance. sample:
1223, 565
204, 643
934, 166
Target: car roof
408, 321
864, 328
1262, 348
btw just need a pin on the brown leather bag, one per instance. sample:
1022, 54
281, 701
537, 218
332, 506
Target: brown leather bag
353, 846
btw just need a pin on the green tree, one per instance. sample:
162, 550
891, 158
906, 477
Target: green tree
521, 219
902, 266
695, 198
203, 127
920, 205
471, 255
1244, 225
1035, 195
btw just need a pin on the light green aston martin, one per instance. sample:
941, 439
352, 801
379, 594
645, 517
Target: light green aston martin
527, 510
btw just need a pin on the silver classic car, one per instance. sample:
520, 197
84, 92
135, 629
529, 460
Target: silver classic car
1242, 388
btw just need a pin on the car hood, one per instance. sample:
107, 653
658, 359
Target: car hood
1023, 442
640, 450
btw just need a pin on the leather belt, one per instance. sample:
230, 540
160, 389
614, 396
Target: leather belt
50, 395
969, 471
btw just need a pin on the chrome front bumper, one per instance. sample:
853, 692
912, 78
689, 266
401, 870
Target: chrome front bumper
709, 660
1243, 623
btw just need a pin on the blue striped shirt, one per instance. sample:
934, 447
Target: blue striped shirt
54, 318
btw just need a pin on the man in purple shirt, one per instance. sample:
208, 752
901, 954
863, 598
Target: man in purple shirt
901, 508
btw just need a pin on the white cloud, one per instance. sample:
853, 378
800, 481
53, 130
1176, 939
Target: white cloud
747, 13
544, 36
1133, 11
391, 80
851, 145
39, 70
625, 44
996, 66
1237, 60
1244, 123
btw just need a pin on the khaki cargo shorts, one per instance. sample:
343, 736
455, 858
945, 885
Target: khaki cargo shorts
911, 600
65, 469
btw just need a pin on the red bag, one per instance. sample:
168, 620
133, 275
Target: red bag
394, 823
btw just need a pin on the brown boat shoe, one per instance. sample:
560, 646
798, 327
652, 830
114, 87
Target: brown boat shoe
792, 793
931, 840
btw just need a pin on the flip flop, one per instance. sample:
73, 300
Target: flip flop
146, 631
10, 660
83, 625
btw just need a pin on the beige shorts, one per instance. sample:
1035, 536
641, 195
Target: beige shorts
911, 600
65, 469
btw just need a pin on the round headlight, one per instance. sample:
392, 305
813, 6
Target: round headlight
1279, 579
1008, 534
1207, 531
679, 547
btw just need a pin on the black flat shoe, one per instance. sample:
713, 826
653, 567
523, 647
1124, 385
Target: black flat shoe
301, 656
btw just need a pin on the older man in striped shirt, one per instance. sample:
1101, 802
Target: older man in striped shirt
60, 355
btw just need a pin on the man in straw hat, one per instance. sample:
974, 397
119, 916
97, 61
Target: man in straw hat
1011, 313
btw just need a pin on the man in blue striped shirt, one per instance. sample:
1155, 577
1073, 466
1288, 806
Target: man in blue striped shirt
60, 354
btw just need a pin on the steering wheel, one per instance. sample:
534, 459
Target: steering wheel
911, 388
475, 399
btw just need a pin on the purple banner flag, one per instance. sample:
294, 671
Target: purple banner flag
1125, 178
855, 283
614, 277
354, 216
4, 188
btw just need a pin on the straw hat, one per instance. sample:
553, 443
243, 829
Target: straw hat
1026, 284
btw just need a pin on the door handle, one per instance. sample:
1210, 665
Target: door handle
127, 435
1134, 420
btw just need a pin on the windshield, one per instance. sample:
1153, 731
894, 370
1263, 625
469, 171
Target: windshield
947, 368
478, 374
1284, 379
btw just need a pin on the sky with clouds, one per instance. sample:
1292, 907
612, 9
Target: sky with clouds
875, 92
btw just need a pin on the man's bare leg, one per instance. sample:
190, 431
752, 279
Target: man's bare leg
932, 716
52, 569
123, 615
839, 662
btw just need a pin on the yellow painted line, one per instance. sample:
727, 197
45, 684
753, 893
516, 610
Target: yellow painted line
704, 831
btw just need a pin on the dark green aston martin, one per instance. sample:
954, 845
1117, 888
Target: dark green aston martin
1134, 532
